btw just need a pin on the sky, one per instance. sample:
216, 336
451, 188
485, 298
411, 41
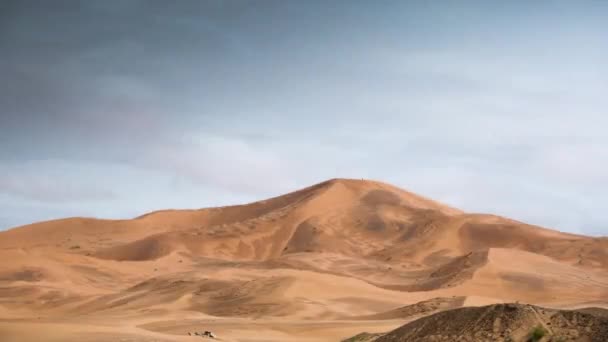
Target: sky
116, 108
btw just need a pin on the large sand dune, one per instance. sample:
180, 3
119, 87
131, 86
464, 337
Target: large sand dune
319, 264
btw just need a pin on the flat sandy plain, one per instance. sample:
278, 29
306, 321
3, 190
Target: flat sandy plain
320, 264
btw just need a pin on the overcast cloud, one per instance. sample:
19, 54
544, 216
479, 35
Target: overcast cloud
115, 108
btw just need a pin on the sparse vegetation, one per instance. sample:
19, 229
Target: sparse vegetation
75, 247
537, 334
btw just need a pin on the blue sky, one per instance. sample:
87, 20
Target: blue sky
115, 108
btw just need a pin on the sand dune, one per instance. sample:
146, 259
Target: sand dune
317, 264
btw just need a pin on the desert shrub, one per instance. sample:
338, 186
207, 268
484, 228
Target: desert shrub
537, 334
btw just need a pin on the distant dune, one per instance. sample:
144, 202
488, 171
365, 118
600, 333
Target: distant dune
319, 264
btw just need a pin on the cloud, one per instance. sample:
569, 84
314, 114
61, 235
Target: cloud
223, 163
242, 165
51, 181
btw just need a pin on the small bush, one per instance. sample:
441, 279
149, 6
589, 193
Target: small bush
537, 334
